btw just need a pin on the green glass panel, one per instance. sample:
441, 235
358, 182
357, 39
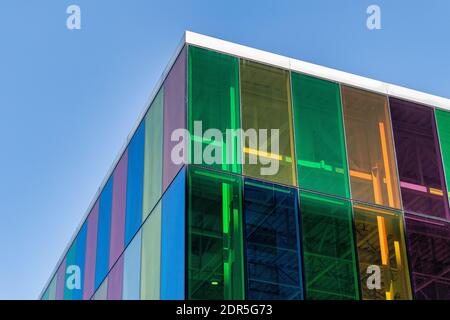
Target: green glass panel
443, 125
329, 253
319, 136
215, 240
153, 155
213, 103
266, 105
151, 256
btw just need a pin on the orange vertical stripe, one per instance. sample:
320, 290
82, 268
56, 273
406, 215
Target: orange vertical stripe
387, 168
383, 240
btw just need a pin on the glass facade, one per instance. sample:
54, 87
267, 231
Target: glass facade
371, 159
266, 105
151, 256
272, 242
330, 265
174, 115
305, 188
153, 155
213, 90
418, 157
135, 183
319, 136
443, 125
173, 240
215, 244
104, 233
429, 252
381, 249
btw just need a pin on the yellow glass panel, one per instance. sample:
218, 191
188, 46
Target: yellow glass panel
381, 253
373, 173
266, 104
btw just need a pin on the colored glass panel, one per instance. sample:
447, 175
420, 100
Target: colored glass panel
418, 157
213, 87
135, 183
429, 252
119, 198
443, 126
373, 175
153, 154
381, 249
266, 105
61, 280
215, 259
173, 240
329, 254
91, 253
115, 281
80, 258
319, 136
132, 269
272, 242
174, 114
151, 256
69, 277
104, 232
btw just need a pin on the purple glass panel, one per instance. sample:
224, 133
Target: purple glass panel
119, 198
429, 252
419, 159
115, 281
60, 280
91, 253
174, 114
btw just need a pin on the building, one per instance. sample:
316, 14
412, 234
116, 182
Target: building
357, 209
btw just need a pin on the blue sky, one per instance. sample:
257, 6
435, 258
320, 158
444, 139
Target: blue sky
68, 99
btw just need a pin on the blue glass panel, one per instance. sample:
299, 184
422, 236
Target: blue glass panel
172, 239
272, 242
70, 261
132, 270
104, 231
135, 183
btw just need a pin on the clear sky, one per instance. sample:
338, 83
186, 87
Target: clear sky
68, 99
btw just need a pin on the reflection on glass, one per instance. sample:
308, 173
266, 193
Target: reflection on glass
329, 255
266, 105
319, 136
429, 252
272, 242
373, 175
381, 252
215, 261
213, 98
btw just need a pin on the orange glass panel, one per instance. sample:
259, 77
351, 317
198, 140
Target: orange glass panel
373, 173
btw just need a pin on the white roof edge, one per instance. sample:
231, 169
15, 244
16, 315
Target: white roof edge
147, 105
316, 70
